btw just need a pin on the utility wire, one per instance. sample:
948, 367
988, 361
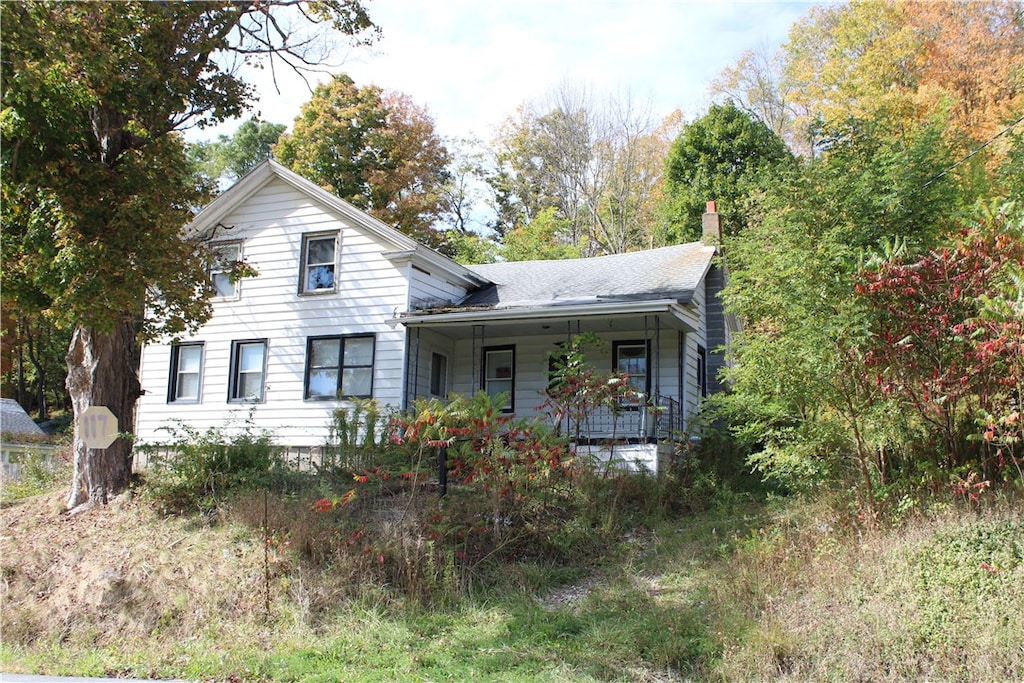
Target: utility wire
983, 146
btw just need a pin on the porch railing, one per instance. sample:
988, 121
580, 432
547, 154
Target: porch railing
659, 420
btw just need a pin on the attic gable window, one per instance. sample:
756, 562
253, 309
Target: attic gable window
225, 256
319, 263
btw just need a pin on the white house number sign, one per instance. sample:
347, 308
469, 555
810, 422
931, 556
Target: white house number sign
98, 427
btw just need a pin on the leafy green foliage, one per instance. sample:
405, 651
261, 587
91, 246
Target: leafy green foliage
231, 157
799, 390
722, 157
195, 470
546, 237
974, 565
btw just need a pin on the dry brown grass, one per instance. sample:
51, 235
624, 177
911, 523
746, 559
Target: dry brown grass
914, 603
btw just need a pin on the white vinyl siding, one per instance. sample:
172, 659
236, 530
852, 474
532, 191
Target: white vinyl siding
369, 290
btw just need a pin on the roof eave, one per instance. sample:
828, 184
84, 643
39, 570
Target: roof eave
209, 217
675, 307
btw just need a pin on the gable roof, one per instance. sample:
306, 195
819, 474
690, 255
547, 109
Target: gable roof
399, 245
14, 419
667, 273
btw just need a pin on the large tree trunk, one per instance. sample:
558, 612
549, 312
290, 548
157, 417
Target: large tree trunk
102, 372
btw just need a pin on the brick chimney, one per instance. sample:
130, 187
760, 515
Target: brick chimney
712, 224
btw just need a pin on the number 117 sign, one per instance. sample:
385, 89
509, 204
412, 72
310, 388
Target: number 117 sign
97, 427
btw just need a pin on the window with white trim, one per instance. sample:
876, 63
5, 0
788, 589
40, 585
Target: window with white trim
499, 369
339, 367
248, 371
185, 377
319, 263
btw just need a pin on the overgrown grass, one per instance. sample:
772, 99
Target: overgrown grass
787, 589
40, 471
535, 568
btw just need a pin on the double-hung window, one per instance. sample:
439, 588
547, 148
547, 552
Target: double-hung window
630, 358
339, 367
186, 373
225, 256
499, 370
319, 263
248, 371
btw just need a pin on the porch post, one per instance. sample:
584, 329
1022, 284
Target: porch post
684, 417
656, 352
475, 378
416, 367
656, 369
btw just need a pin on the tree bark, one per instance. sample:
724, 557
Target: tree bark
102, 372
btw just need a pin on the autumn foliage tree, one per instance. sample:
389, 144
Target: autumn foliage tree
903, 59
599, 166
375, 149
948, 343
95, 182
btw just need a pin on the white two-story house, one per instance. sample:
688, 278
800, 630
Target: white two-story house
344, 306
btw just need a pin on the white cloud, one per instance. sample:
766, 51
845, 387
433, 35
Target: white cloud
473, 62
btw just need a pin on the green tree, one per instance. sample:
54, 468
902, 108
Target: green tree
722, 156
546, 237
95, 182
799, 385
232, 156
375, 149
600, 166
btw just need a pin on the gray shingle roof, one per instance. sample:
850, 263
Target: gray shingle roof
14, 419
665, 273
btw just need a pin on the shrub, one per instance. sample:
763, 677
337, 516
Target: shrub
195, 468
40, 472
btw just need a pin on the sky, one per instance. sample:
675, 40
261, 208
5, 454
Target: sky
472, 63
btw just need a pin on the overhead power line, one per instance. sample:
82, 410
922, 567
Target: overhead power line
983, 146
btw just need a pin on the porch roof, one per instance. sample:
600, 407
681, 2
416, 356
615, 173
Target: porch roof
636, 282
666, 273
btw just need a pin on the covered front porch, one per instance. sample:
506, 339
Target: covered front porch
657, 343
